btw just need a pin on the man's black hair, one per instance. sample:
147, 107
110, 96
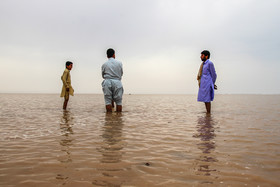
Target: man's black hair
206, 53
68, 63
110, 53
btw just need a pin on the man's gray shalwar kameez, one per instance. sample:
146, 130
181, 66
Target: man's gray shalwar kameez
112, 72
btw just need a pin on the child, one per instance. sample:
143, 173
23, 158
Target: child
67, 88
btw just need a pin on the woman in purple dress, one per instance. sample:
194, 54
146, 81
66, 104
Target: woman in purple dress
206, 80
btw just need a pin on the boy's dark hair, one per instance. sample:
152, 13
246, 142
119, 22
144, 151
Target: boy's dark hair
206, 53
110, 53
68, 63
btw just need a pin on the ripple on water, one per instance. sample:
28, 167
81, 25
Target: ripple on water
159, 140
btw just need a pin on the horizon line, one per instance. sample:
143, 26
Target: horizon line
143, 93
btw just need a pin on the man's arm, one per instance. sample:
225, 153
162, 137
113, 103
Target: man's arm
213, 72
103, 71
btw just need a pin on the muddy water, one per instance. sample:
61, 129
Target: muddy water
158, 140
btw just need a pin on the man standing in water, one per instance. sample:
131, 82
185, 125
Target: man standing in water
67, 87
112, 72
206, 80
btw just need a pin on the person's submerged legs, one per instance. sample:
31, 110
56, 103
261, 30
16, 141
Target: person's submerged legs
65, 104
66, 99
119, 108
208, 107
109, 108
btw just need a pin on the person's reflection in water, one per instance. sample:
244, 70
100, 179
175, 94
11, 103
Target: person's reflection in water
206, 133
66, 124
112, 138
112, 169
66, 139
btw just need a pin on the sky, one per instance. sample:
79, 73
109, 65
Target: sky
158, 41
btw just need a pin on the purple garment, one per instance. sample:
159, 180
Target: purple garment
208, 79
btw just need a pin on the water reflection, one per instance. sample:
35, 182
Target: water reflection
66, 138
112, 138
206, 134
111, 166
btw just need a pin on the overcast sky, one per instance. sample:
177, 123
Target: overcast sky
158, 41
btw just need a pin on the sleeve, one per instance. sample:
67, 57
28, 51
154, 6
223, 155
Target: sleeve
64, 79
103, 71
213, 72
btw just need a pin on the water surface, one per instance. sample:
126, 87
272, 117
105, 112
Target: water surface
158, 140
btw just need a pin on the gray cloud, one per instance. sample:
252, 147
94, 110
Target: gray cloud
158, 41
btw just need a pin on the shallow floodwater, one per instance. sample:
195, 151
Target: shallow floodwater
158, 140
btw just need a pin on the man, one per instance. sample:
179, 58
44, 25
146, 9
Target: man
67, 87
206, 80
112, 72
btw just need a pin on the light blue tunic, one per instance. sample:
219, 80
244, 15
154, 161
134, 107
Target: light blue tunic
112, 72
208, 79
